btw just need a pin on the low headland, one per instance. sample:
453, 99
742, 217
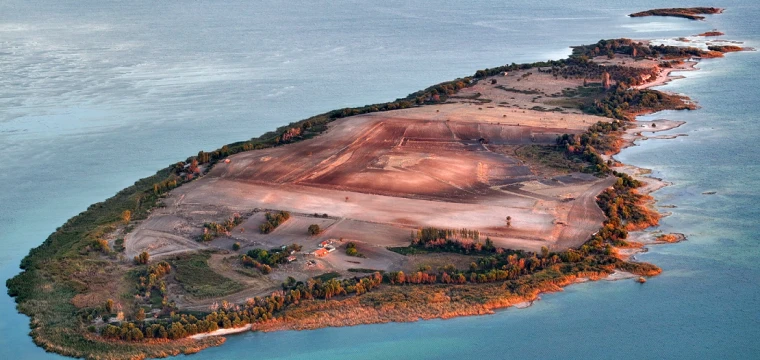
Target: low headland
693, 13
469, 196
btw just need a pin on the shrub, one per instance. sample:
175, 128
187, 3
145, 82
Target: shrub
352, 251
142, 259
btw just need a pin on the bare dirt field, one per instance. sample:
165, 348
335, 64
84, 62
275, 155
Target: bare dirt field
373, 179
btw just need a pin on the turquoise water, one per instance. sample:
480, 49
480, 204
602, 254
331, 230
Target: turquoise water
98, 94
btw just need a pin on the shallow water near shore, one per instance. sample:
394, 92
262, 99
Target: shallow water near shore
95, 97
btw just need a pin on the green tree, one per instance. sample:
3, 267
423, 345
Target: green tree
142, 259
544, 252
351, 249
314, 229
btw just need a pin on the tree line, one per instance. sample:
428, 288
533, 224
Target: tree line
258, 309
273, 220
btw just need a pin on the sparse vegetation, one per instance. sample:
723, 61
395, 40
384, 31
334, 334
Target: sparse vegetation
195, 276
528, 92
548, 157
366, 271
212, 230
327, 276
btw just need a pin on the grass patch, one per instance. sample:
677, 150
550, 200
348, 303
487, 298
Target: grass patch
119, 245
527, 92
589, 91
249, 273
548, 156
327, 276
365, 271
408, 250
566, 103
197, 278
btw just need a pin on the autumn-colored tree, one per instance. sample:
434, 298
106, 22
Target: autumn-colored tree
194, 167
102, 245
606, 81
446, 278
140, 315
266, 269
126, 216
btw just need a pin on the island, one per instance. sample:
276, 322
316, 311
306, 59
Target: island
693, 13
712, 33
472, 195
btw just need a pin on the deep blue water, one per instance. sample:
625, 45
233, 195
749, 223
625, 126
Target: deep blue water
96, 94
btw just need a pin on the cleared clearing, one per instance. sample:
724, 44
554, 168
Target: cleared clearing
375, 178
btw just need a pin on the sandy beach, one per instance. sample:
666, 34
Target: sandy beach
222, 332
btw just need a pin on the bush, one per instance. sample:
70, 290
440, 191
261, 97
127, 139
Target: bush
314, 229
352, 251
142, 259
236, 246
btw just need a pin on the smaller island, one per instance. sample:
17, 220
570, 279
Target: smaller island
727, 48
694, 13
714, 32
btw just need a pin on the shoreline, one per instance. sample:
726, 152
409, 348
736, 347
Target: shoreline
630, 136
652, 184
664, 77
350, 311
522, 303
222, 332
